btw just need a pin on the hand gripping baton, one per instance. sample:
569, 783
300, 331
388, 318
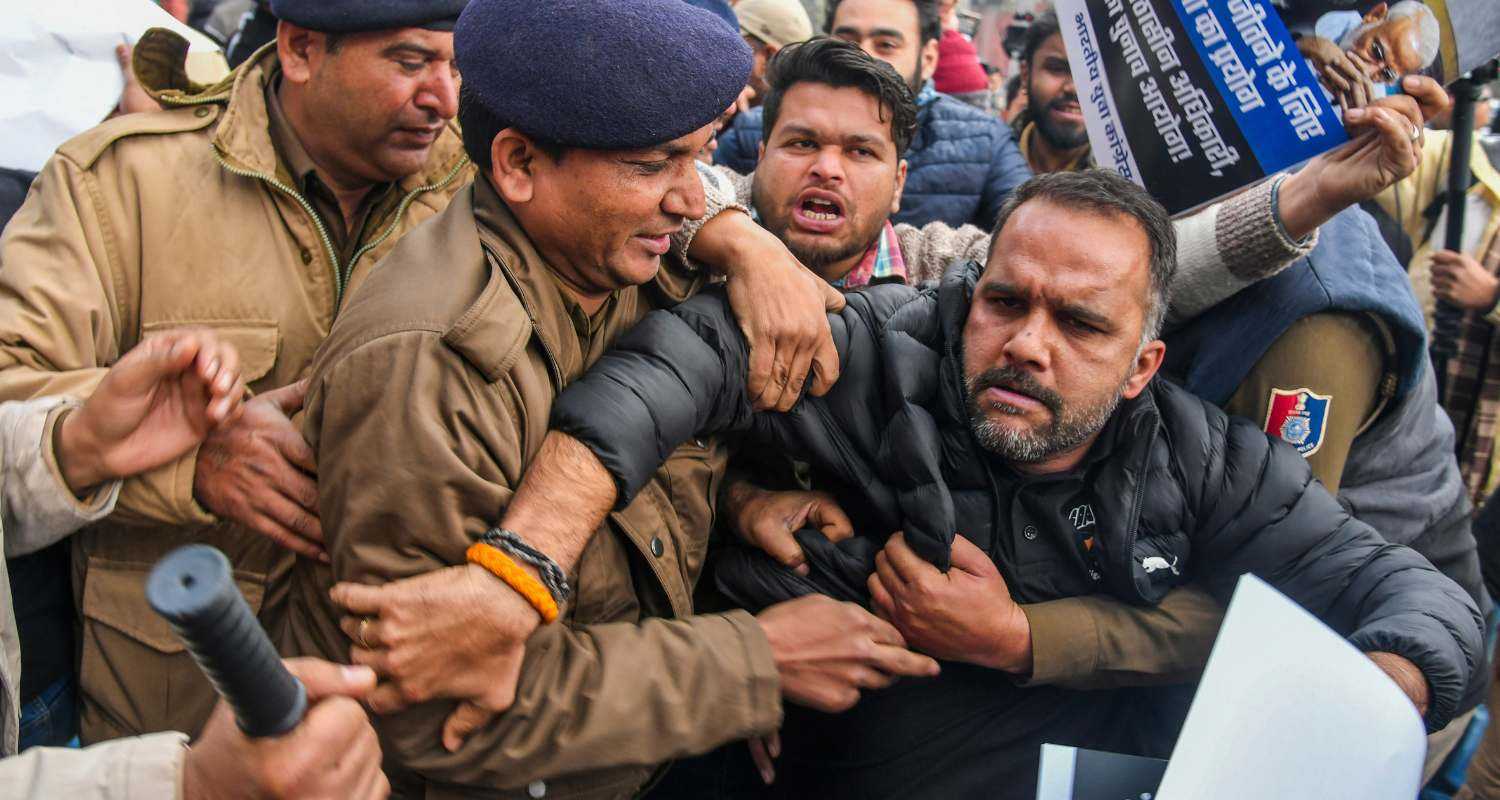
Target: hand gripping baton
193, 589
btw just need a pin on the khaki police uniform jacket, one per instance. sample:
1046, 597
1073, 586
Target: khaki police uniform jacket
472, 338
141, 225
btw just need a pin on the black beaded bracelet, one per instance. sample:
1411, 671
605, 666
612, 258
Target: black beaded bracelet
513, 545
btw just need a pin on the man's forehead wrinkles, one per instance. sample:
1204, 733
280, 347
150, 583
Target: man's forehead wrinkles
1088, 286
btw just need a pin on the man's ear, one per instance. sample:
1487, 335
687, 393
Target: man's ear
929, 60
1147, 362
296, 49
512, 163
760, 151
1377, 13
900, 186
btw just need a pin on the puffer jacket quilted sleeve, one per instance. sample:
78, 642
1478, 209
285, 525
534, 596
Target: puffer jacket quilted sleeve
682, 373
961, 166
1254, 506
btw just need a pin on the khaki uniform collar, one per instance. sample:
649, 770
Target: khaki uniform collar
293, 156
571, 337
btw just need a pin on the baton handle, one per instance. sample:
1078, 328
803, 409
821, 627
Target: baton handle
193, 589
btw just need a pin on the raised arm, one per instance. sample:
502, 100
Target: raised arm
1258, 233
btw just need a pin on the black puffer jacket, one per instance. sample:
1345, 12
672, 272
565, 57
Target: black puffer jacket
1172, 478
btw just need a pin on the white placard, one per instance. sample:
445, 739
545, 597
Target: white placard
58, 72
1288, 709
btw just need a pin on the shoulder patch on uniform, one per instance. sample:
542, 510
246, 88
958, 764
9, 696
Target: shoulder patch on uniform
1298, 417
86, 148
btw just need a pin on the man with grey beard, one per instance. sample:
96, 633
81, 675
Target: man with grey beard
1000, 439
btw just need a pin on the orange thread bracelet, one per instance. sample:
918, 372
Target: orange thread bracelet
506, 569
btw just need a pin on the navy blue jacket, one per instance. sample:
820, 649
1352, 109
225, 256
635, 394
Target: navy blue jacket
961, 165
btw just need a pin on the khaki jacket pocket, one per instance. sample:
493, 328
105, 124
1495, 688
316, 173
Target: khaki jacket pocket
136, 676
257, 341
165, 495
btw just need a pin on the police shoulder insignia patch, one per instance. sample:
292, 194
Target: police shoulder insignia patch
1298, 417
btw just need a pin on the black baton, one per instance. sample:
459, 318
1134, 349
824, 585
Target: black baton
193, 589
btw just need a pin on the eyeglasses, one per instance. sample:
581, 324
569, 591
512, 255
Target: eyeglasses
1387, 75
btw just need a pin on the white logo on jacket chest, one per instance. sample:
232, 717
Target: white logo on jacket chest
1082, 516
1157, 563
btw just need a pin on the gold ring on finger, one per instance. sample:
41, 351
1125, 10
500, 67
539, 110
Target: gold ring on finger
363, 624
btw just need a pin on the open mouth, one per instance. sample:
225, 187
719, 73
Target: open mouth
813, 208
1068, 110
819, 211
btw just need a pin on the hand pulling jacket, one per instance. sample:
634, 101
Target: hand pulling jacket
1177, 490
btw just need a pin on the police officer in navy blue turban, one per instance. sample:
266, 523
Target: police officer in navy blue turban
433, 393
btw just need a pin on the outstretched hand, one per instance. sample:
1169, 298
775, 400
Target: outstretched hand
153, 406
1385, 146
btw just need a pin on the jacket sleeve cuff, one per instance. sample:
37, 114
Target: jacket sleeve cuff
649, 390
40, 509
1493, 315
140, 767
1445, 679
718, 197
165, 495
763, 681
1231, 245
100, 502
1064, 642
154, 766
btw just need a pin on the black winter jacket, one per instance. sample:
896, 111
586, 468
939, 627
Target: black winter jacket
1180, 481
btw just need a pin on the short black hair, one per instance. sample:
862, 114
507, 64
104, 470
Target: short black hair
1103, 192
840, 64
1012, 88
480, 126
1044, 27
929, 20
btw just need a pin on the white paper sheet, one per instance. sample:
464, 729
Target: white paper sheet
58, 72
1288, 709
